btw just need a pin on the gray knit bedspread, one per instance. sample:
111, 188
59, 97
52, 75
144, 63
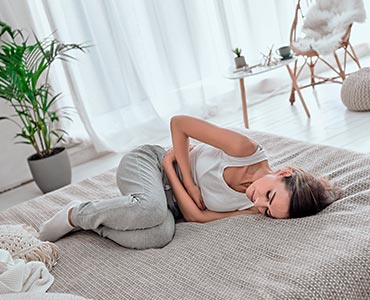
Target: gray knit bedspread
326, 256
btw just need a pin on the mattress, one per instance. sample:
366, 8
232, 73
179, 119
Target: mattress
326, 256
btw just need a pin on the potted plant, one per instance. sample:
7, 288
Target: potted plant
239, 60
24, 85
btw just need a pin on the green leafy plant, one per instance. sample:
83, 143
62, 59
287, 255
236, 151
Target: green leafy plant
237, 51
24, 85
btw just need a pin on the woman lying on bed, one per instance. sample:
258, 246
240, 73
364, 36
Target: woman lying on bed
228, 174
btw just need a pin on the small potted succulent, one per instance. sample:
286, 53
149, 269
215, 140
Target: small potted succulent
239, 60
24, 85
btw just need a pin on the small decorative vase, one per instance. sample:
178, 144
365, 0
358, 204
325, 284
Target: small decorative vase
240, 62
52, 172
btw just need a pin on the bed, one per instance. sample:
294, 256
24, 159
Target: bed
326, 256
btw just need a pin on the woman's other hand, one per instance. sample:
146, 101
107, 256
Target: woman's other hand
191, 188
170, 155
195, 194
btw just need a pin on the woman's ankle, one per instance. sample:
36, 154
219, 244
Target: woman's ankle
70, 217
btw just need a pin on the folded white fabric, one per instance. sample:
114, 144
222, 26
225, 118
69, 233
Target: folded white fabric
41, 296
20, 276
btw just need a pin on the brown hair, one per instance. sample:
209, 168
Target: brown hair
309, 194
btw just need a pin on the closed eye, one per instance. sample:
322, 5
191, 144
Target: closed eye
268, 214
268, 197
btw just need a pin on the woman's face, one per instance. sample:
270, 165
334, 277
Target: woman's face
270, 194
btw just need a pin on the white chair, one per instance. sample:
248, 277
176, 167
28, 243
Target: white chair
326, 28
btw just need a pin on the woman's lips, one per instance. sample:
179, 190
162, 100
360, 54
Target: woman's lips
252, 197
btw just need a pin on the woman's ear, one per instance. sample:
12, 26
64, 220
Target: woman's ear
285, 172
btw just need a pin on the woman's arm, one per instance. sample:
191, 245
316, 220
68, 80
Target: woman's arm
189, 209
185, 127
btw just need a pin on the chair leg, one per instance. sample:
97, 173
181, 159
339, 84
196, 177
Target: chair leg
341, 72
292, 92
354, 55
297, 88
292, 96
312, 74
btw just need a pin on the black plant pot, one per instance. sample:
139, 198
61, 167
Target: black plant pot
52, 172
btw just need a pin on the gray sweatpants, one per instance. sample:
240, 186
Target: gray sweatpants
138, 219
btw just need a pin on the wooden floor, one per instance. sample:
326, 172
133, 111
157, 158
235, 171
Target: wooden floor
330, 124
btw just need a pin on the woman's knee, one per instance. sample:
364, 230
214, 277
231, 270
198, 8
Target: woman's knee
154, 237
165, 233
144, 152
140, 171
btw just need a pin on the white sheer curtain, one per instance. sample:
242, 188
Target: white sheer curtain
152, 59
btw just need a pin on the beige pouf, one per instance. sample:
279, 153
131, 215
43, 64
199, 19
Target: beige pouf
356, 90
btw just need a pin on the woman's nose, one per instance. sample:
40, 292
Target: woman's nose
259, 202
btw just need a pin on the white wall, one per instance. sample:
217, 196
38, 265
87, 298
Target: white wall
14, 169
13, 159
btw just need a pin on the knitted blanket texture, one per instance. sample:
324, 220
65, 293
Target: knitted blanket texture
326, 256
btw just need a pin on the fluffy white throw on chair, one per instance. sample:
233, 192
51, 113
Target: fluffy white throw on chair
20, 276
326, 22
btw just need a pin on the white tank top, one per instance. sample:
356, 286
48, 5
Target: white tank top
208, 164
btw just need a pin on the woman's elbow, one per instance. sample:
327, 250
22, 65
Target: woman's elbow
189, 218
196, 218
175, 120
